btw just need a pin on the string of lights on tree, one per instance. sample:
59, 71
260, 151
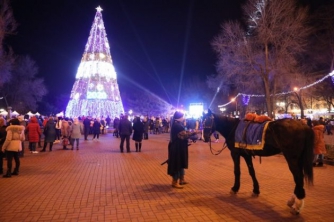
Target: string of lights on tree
246, 97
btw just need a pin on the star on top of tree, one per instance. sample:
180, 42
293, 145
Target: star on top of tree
99, 9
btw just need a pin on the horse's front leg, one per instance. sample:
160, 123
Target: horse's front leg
296, 202
236, 161
256, 187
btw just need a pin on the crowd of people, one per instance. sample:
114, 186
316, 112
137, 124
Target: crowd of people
68, 133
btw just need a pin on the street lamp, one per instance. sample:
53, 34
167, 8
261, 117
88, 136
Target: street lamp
130, 114
236, 105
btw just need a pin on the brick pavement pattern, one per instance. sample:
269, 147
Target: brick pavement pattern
98, 183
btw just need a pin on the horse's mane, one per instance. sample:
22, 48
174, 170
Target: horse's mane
225, 124
221, 118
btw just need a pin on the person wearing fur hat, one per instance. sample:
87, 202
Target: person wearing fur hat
178, 150
13, 145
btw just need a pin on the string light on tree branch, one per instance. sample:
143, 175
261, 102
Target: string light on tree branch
331, 74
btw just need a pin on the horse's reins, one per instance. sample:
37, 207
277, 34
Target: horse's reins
211, 149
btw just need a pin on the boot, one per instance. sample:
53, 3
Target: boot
44, 147
182, 181
15, 172
176, 185
136, 147
320, 164
139, 147
7, 175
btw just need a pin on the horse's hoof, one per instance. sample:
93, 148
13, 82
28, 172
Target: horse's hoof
233, 192
255, 194
297, 205
294, 211
290, 203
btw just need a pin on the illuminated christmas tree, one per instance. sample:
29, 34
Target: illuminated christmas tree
95, 91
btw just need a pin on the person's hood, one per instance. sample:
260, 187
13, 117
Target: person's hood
33, 119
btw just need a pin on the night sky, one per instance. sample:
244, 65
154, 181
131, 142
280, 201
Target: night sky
152, 41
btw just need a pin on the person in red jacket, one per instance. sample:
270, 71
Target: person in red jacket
34, 132
319, 144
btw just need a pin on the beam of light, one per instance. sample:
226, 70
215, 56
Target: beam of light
137, 63
185, 49
136, 84
214, 97
144, 49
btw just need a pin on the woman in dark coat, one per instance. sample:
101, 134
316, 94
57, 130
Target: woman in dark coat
138, 131
50, 134
178, 150
146, 123
96, 129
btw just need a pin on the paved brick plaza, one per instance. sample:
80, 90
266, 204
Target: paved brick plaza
98, 183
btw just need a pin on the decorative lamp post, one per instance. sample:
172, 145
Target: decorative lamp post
236, 105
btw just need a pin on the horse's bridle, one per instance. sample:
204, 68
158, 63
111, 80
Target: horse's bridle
209, 126
206, 126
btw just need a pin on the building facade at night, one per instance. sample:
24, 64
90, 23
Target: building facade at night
95, 91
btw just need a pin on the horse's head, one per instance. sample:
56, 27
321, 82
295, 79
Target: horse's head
208, 125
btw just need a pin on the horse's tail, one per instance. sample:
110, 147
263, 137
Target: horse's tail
308, 157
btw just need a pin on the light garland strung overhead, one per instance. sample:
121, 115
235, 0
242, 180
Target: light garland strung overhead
331, 74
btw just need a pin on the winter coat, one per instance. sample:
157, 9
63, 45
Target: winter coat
3, 134
96, 127
50, 131
319, 141
65, 129
76, 130
125, 127
177, 150
86, 123
146, 126
14, 138
138, 130
33, 130
116, 123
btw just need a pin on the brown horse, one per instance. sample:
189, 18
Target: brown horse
290, 137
